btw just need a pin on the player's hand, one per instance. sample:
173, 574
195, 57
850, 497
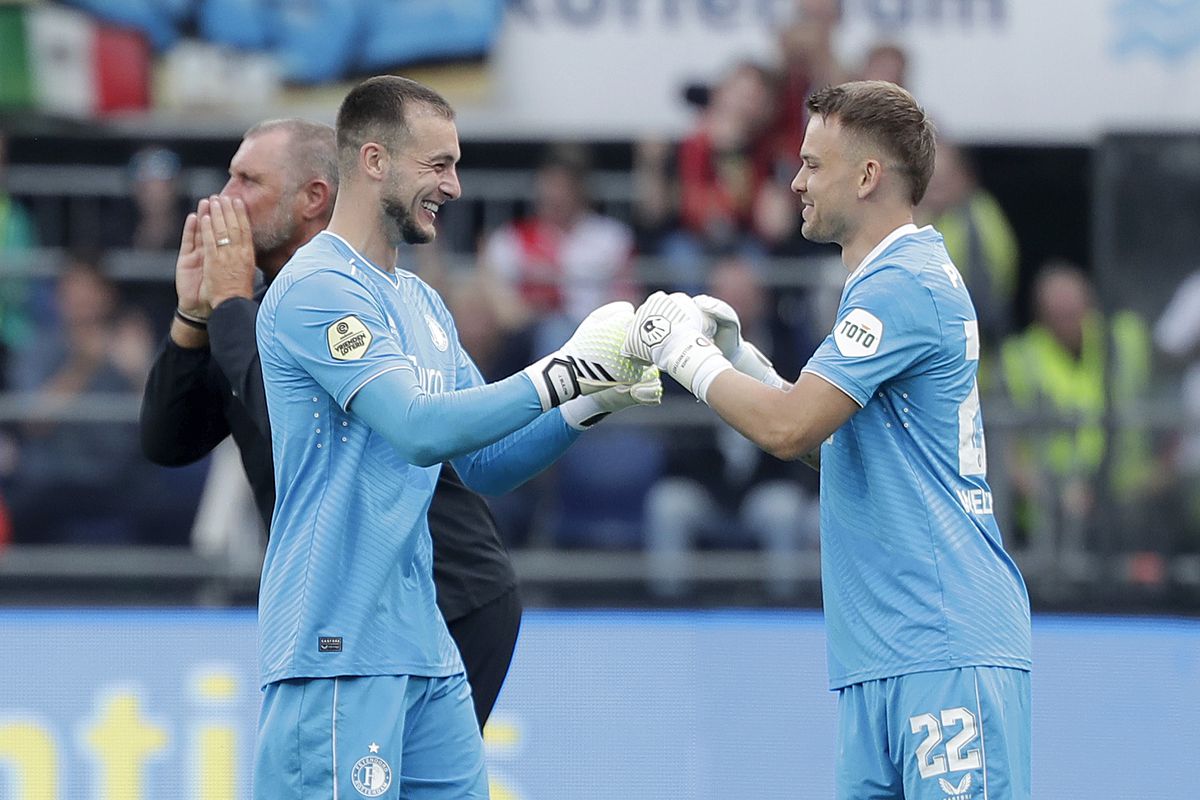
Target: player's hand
189, 266
590, 361
228, 251
584, 412
669, 331
727, 336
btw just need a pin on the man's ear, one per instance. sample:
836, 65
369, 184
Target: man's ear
372, 160
316, 197
869, 177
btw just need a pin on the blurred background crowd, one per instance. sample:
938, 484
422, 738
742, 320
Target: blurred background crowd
1090, 374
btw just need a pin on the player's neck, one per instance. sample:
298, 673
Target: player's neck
358, 220
873, 231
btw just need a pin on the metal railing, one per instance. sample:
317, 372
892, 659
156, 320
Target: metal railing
1059, 573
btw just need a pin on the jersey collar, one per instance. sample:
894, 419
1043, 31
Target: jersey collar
359, 258
887, 241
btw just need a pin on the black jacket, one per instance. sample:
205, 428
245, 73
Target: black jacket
196, 397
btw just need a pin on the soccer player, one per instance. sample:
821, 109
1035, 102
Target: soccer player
207, 384
368, 392
927, 616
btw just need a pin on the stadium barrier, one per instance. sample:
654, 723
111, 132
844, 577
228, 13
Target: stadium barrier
713, 705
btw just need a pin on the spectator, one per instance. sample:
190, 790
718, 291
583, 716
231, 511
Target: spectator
16, 228
1081, 373
84, 482
728, 202
886, 61
550, 270
719, 490
17, 233
154, 186
981, 242
807, 62
1177, 335
655, 194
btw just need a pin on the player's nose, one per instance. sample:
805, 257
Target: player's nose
800, 182
450, 185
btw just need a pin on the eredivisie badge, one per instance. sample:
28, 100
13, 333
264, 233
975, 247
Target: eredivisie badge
348, 338
371, 775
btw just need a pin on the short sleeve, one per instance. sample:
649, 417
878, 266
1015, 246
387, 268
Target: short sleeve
886, 323
338, 333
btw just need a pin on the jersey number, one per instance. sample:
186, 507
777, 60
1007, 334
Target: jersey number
972, 451
954, 760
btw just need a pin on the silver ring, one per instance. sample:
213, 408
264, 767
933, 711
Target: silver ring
222, 242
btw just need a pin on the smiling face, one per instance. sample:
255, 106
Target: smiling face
827, 182
421, 176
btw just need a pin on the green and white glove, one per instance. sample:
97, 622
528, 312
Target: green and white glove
726, 333
584, 412
668, 330
590, 361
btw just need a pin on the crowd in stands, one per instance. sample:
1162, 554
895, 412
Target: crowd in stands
715, 209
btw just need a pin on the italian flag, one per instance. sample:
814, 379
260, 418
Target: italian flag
60, 61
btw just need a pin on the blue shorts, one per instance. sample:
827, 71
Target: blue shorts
957, 734
389, 736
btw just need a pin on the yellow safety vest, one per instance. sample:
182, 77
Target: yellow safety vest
1042, 376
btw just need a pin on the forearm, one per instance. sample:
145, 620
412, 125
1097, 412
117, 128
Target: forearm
510, 462
769, 417
234, 348
426, 429
756, 411
180, 419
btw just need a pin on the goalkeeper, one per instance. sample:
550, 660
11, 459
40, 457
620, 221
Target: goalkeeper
368, 391
927, 617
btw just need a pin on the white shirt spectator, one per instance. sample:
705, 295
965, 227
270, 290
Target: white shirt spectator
1177, 334
567, 272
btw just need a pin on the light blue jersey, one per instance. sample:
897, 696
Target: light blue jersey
914, 574
347, 586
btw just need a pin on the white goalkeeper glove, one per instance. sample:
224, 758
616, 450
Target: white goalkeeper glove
590, 361
584, 412
668, 330
726, 334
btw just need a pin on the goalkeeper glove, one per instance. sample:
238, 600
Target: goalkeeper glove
668, 330
727, 336
590, 361
584, 412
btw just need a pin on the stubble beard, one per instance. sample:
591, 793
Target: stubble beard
275, 234
830, 232
403, 227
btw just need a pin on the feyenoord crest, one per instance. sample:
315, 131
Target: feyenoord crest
371, 775
440, 340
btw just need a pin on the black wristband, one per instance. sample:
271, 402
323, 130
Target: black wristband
199, 323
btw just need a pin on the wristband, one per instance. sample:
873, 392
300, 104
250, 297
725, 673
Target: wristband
555, 380
192, 321
694, 361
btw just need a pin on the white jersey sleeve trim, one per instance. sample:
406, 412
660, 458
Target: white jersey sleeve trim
832, 383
